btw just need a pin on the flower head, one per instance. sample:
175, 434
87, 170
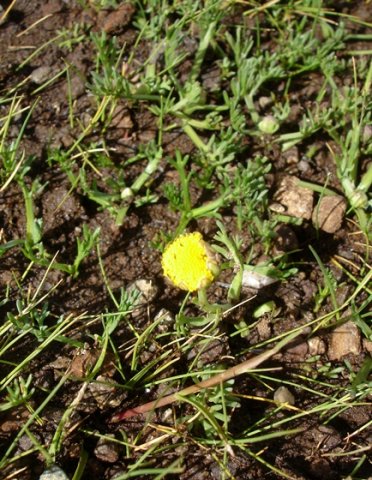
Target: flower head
188, 263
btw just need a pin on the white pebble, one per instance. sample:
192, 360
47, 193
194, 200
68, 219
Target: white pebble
256, 280
53, 473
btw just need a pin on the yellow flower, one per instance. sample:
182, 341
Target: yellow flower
188, 263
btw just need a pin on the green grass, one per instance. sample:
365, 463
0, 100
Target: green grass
258, 58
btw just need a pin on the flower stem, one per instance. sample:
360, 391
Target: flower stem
202, 298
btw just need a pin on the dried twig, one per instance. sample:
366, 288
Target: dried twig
232, 372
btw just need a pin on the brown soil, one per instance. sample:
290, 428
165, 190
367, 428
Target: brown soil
128, 254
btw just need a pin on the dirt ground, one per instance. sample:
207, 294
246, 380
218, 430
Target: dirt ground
128, 254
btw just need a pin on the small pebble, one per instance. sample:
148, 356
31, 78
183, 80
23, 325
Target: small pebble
303, 166
283, 395
316, 346
367, 345
300, 350
118, 18
264, 328
105, 393
41, 75
53, 473
256, 280
344, 340
107, 450
147, 289
291, 155
77, 86
329, 213
297, 200
51, 7
286, 239
264, 102
166, 320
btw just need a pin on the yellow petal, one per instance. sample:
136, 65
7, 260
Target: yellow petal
187, 262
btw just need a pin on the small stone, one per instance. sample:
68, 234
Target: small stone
146, 135
25, 443
53, 473
82, 362
331, 437
166, 415
316, 346
210, 352
367, 345
121, 118
344, 340
299, 351
264, 328
303, 166
119, 18
286, 239
253, 279
277, 207
336, 272
51, 7
283, 395
107, 450
77, 86
86, 119
148, 353
297, 200
146, 288
165, 320
105, 393
342, 294
66, 139
329, 213
10, 426
321, 468
41, 74
126, 123
265, 102
291, 155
